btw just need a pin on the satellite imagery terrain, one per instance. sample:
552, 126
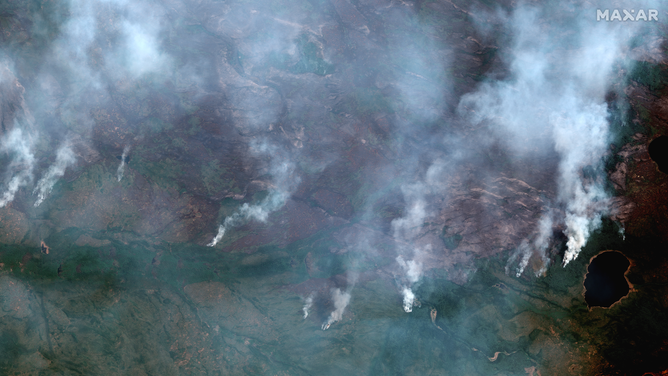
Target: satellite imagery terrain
333, 187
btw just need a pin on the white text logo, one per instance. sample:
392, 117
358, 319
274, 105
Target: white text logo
627, 15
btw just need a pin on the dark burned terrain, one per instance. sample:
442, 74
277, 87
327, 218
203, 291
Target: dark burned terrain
348, 108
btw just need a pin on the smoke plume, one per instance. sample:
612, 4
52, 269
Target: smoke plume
407, 228
413, 271
409, 299
284, 180
64, 158
121, 167
308, 303
538, 246
341, 300
20, 170
258, 212
554, 101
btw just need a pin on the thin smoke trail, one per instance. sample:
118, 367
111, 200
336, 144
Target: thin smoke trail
308, 303
258, 212
121, 168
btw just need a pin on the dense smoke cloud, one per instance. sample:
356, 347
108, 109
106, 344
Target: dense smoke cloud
135, 27
83, 68
553, 100
141, 48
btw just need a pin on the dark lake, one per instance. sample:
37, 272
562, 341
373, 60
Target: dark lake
605, 283
658, 151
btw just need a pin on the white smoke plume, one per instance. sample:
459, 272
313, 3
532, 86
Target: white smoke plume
542, 240
406, 228
101, 44
244, 213
417, 79
141, 49
64, 158
413, 270
341, 300
553, 100
539, 244
308, 303
121, 168
258, 212
421, 97
409, 299
282, 171
72, 46
622, 232
261, 107
136, 53
586, 200
19, 147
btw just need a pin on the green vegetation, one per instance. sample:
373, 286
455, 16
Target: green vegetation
451, 242
195, 128
627, 120
26, 45
370, 100
156, 125
310, 59
490, 313
96, 175
215, 179
654, 76
163, 172
364, 101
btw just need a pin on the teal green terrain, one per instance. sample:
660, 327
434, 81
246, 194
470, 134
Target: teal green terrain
121, 295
